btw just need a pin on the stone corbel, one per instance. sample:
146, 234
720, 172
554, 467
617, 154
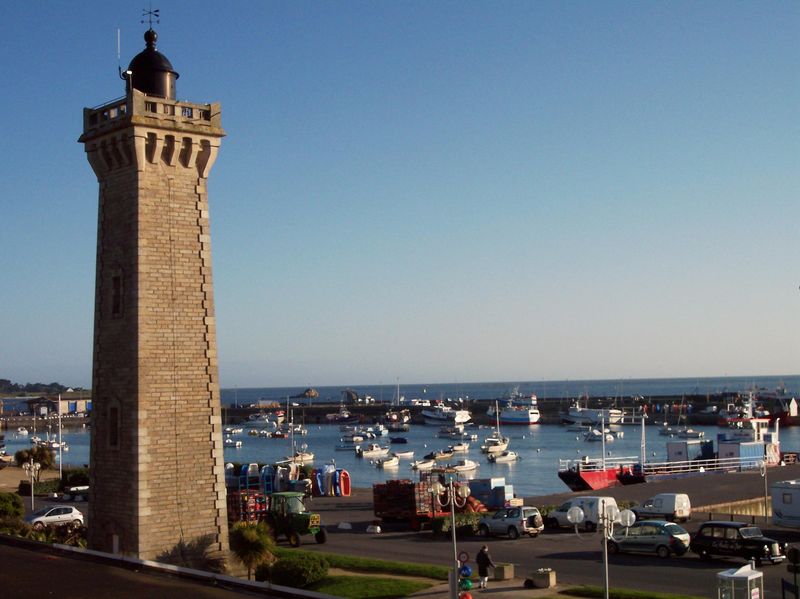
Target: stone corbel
96, 161
140, 150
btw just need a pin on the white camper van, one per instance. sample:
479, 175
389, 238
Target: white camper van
592, 509
669, 506
786, 503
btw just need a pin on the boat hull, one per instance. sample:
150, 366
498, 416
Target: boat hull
578, 480
519, 417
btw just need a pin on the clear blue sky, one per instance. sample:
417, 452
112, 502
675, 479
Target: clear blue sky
434, 191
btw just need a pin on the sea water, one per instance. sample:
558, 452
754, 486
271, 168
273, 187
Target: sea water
551, 389
539, 446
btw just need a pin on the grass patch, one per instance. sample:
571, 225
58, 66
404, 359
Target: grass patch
593, 591
364, 564
367, 587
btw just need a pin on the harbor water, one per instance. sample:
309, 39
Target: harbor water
540, 448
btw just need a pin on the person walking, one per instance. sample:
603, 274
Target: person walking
484, 561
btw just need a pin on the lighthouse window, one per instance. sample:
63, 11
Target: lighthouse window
186, 111
113, 427
116, 295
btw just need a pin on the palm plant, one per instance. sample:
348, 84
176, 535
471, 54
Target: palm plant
252, 544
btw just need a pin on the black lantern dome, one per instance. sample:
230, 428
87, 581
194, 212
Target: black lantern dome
151, 72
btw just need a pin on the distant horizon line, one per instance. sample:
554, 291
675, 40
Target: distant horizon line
520, 381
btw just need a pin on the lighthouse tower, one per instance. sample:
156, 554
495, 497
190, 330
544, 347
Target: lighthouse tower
157, 471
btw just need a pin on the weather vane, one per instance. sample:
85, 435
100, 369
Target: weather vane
152, 15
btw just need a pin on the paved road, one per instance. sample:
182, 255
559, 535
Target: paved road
576, 560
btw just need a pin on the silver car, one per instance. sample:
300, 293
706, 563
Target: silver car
55, 515
512, 521
651, 536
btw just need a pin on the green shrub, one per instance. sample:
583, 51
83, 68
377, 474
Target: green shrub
42, 487
466, 524
298, 571
14, 526
546, 509
43, 455
75, 477
11, 506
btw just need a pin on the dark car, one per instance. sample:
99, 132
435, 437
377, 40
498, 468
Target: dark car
736, 539
650, 536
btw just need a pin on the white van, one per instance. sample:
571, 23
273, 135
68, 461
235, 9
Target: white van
592, 507
674, 507
786, 503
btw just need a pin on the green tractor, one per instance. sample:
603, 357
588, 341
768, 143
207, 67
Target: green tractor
288, 517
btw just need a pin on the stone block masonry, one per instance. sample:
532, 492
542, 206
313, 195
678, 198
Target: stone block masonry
157, 470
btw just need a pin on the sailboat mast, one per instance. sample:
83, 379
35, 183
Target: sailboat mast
643, 448
60, 444
603, 438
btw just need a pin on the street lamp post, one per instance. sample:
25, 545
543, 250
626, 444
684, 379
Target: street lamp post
32, 470
608, 516
763, 471
456, 497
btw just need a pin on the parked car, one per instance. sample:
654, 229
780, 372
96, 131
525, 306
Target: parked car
650, 536
736, 539
55, 515
512, 521
669, 506
592, 507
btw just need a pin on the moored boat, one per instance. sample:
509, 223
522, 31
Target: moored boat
373, 450
424, 464
517, 410
465, 465
391, 461
503, 457
443, 414
405, 455
592, 474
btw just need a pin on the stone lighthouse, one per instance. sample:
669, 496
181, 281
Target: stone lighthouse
157, 471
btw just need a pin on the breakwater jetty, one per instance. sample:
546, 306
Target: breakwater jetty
695, 409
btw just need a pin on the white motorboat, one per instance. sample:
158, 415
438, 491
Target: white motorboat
423, 464
457, 433
460, 447
386, 462
373, 450
690, 433
232, 442
666, 430
596, 435
300, 457
406, 455
465, 465
21, 430
576, 414
377, 430
443, 414
440, 454
502, 457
